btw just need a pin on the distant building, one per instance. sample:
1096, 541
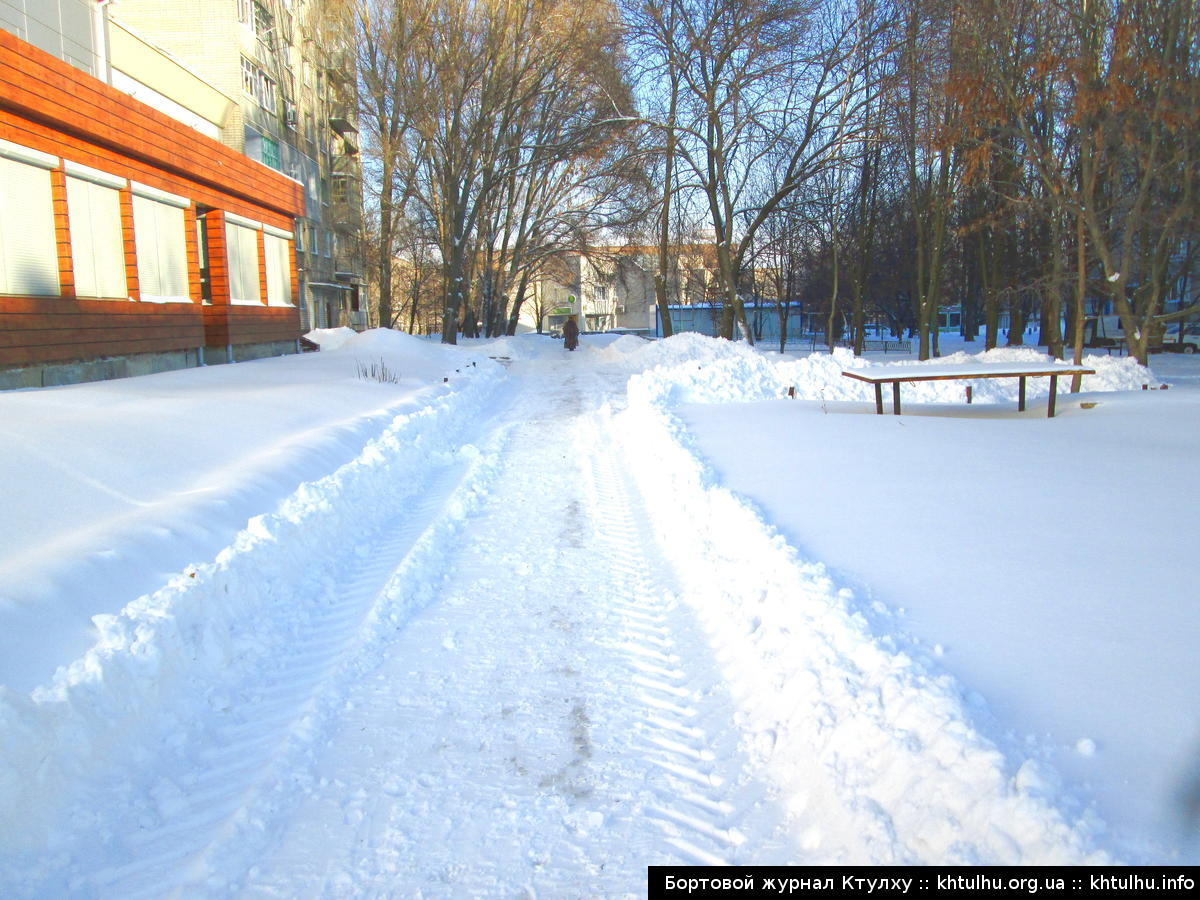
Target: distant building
613, 288
129, 242
274, 79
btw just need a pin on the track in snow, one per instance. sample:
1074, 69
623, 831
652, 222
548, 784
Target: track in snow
537, 728
548, 722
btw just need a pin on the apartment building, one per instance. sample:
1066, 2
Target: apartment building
281, 89
613, 288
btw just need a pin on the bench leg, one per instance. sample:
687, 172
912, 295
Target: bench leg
895, 398
1021, 396
878, 399
1053, 396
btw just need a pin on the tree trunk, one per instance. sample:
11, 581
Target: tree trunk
455, 292
416, 299
514, 316
1080, 299
1016, 319
989, 265
662, 276
833, 295
1052, 336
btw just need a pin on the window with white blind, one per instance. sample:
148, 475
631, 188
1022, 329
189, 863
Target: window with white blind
279, 267
97, 245
160, 235
28, 252
241, 244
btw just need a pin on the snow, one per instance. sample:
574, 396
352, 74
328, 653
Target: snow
331, 338
975, 369
1034, 556
112, 487
513, 619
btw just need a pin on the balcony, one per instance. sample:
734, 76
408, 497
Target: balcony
339, 67
341, 120
347, 268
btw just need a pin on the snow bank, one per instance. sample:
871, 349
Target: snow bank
156, 662
412, 355
331, 338
833, 711
112, 487
520, 347
692, 368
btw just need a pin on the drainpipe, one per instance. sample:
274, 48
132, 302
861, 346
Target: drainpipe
100, 36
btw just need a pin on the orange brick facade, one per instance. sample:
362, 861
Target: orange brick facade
51, 107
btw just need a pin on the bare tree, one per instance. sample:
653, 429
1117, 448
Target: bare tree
759, 86
1115, 89
498, 126
387, 32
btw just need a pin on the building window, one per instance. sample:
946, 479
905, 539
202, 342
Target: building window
241, 243
249, 76
160, 236
341, 189
258, 84
270, 153
245, 11
279, 270
202, 254
264, 22
28, 256
97, 244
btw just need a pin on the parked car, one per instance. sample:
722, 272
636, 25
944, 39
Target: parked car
1183, 340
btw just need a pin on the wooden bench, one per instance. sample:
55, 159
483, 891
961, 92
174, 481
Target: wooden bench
893, 375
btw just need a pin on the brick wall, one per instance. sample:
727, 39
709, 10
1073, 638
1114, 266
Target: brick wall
54, 108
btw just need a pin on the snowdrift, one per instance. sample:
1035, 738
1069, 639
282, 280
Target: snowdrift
156, 663
692, 368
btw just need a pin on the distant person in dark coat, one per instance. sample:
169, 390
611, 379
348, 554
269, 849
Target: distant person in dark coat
571, 333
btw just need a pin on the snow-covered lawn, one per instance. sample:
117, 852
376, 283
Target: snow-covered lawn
1043, 563
510, 617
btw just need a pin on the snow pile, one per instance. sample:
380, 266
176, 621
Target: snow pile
1113, 373
520, 347
692, 368
331, 338
614, 346
156, 658
113, 487
409, 356
687, 347
210, 622
834, 711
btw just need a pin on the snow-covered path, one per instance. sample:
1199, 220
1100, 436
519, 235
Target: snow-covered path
540, 726
548, 719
